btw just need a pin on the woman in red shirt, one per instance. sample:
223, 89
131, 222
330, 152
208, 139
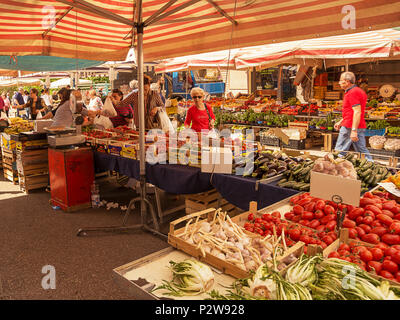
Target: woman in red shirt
199, 116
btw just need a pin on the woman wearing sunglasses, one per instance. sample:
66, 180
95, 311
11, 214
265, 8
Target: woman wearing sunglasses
200, 116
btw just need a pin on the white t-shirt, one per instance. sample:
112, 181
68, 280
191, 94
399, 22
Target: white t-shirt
95, 104
47, 99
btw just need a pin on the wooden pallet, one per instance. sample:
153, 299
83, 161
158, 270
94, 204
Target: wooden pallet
209, 199
28, 183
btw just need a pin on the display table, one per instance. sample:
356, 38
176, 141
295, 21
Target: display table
181, 179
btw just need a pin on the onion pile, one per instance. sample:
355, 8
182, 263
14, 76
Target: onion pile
392, 144
377, 142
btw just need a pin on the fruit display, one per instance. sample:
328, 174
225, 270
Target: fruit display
18, 125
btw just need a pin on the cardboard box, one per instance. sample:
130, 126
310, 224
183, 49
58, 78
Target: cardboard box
217, 160
329, 187
295, 133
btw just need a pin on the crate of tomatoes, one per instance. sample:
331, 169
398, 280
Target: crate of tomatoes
380, 259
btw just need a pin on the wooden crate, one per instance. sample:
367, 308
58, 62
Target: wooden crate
209, 199
11, 175
28, 183
32, 169
344, 238
226, 267
6, 153
32, 156
333, 95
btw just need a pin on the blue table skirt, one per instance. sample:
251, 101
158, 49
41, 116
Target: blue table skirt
180, 179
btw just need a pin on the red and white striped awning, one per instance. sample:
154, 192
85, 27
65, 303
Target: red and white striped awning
101, 29
216, 60
335, 50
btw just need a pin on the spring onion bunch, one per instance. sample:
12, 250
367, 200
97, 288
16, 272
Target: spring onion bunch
190, 277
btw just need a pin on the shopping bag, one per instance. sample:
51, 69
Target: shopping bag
109, 108
39, 115
3, 115
103, 122
166, 124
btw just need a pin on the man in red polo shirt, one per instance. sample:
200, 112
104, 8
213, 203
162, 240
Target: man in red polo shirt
352, 126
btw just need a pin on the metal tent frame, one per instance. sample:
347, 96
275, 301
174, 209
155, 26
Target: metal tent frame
140, 25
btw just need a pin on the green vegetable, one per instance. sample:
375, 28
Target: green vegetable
190, 277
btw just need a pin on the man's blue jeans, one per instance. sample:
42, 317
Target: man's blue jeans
344, 142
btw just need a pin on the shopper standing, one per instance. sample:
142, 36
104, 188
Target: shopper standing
95, 102
7, 103
352, 125
200, 115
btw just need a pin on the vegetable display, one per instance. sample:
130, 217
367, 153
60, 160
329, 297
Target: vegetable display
225, 240
190, 277
339, 167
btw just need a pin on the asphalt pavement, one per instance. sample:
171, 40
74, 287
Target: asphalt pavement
41, 257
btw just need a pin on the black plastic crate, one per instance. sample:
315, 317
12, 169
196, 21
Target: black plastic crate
270, 141
295, 144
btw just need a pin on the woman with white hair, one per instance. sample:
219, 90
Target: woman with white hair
200, 116
95, 103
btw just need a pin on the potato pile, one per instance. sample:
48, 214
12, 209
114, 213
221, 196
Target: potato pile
339, 167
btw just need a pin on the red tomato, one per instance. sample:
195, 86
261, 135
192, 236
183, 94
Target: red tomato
368, 195
371, 238
250, 217
368, 220
327, 239
328, 209
398, 276
296, 218
319, 205
388, 213
298, 210
376, 223
314, 223
360, 231
369, 213
295, 234
344, 246
390, 251
344, 253
377, 254
396, 257
396, 246
353, 233
366, 228
305, 239
397, 216
307, 215
391, 239
310, 207
320, 228
305, 223
359, 220
386, 220
364, 202
294, 199
332, 234
328, 218
386, 274
389, 205
395, 227
323, 245
382, 246
318, 214
276, 214
331, 225
390, 266
289, 215
348, 223
375, 266
356, 212
380, 231
358, 249
366, 255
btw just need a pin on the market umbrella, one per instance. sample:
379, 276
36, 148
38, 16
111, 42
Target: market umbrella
66, 81
105, 30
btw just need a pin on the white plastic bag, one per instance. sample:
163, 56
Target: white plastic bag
3, 115
39, 115
109, 108
166, 124
103, 121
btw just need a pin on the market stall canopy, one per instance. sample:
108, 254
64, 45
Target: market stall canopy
217, 59
67, 81
21, 82
13, 73
102, 29
335, 50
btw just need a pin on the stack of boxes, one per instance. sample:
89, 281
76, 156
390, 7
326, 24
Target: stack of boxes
9, 158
